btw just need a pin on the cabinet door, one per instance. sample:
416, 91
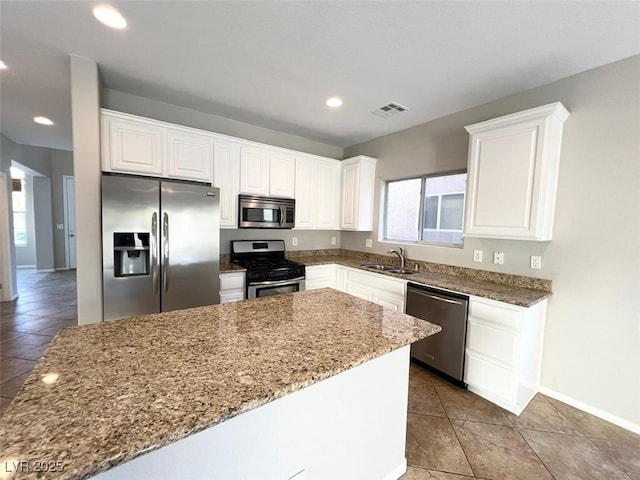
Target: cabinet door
386, 300
328, 195
254, 170
359, 291
349, 203
189, 156
282, 169
501, 176
132, 146
226, 176
512, 174
306, 192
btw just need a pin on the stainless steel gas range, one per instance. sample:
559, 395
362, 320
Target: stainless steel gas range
268, 271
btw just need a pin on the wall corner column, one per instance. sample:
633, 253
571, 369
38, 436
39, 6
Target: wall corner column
85, 114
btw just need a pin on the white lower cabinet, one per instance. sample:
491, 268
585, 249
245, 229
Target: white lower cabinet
383, 290
504, 351
320, 276
231, 287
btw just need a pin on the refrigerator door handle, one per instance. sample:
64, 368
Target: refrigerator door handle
154, 251
165, 252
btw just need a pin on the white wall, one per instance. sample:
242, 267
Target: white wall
592, 340
124, 102
307, 239
85, 105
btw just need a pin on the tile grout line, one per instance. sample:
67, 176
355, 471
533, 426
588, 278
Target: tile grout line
534, 452
611, 459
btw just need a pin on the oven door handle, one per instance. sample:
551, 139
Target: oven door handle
276, 282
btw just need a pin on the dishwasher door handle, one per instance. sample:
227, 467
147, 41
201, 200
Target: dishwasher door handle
435, 297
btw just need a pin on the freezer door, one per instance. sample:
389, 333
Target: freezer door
129, 246
190, 245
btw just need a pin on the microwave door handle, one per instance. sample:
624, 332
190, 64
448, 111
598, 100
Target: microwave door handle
281, 216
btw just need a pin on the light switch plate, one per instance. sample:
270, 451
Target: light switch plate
498, 258
477, 256
368, 243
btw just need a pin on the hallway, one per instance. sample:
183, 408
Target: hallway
46, 303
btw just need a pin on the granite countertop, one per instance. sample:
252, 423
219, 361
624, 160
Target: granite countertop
106, 393
228, 267
469, 284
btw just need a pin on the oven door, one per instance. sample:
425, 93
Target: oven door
267, 289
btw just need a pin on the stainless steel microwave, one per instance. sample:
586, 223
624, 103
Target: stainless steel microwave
265, 212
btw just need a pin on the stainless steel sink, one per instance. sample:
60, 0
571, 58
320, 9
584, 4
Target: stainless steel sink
402, 271
387, 268
377, 266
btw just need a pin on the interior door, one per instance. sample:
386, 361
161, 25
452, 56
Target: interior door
70, 219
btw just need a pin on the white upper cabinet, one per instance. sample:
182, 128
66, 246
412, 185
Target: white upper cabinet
254, 170
513, 174
306, 192
328, 194
358, 183
131, 145
317, 193
282, 171
226, 176
189, 155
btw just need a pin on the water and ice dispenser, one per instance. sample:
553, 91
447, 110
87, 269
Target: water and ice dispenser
131, 254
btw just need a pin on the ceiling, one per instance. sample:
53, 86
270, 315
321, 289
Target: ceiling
273, 64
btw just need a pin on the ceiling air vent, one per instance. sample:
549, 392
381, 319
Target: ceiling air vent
389, 110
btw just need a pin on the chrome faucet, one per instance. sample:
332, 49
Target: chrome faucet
399, 251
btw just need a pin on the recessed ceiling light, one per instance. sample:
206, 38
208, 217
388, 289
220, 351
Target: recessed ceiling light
334, 102
3, 66
110, 16
42, 120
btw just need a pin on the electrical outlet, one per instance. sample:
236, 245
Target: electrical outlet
498, 258
536, 261
294, 241
368, 243
477, 256
60, 226
333, 240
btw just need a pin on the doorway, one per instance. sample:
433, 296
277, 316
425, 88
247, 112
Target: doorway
69, 199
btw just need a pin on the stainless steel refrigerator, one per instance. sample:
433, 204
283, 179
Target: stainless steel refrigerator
160, 245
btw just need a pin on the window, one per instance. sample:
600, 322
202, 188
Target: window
426, 209
19, 201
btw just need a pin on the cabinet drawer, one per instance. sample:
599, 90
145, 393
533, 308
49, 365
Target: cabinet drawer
492, 343
491, 378
231, 297
232, 281
496, 313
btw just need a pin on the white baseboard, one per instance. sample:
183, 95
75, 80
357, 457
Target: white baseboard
46, 270
25, 267
63, 269
621, 422
397, 472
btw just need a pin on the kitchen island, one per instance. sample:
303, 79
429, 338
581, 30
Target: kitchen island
313, 382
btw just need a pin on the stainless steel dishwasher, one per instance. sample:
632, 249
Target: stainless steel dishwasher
443, 351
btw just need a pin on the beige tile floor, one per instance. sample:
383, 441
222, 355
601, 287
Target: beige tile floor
452, 434
46, 303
